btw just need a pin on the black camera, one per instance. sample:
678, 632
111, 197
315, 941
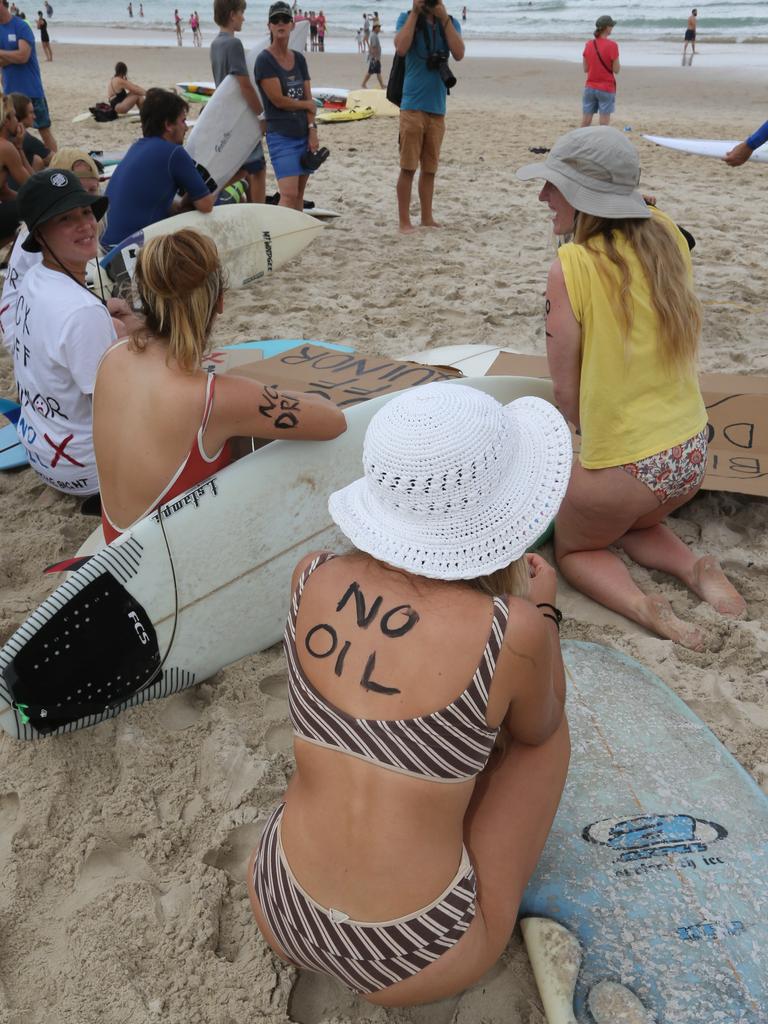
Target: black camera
431, 3
438, 61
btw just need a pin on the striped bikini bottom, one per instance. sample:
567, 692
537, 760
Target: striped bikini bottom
365, 956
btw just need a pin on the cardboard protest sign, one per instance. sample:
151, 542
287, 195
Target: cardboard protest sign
737, 407
346, 378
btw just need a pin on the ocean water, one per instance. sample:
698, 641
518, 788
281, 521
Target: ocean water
739, 21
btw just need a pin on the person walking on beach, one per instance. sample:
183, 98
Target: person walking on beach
322, 23
179, 25
600, 60
45, 42
130, 10
463, 13
141, 10
421, 35
623, 326
21, 71
228, 58
374, 57
690, 37
366, 31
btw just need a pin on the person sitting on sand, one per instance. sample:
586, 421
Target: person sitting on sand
37, 154
426, 689
145, 182
20, 261
122, 94
13, 166
623, 326
153, 397
60, 330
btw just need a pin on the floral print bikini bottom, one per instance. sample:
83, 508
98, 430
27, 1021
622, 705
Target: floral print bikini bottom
675, 471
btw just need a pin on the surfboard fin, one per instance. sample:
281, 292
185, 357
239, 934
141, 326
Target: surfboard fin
611, 1003
555, 955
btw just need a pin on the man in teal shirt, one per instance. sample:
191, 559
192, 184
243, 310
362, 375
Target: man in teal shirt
426, 36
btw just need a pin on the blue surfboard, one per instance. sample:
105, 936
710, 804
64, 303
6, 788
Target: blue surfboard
658, 857
12, 451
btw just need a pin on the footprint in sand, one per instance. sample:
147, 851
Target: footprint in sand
9, 814
233, 853
278, 738
106, 865
181, 711
275, 686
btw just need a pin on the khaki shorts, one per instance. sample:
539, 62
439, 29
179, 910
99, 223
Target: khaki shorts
421, 136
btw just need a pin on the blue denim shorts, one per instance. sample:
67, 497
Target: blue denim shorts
285, 152
596, 100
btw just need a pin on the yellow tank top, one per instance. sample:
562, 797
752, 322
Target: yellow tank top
629, 409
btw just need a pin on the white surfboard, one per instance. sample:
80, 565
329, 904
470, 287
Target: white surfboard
227, 130
374, 98
161, 608
715, 148
329, 92
253, 241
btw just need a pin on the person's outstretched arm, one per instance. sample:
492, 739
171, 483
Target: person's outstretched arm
247, 408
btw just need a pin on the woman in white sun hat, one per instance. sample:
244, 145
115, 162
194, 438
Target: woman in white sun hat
398, 858
623, 325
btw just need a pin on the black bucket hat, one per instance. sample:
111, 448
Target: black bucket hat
48, 193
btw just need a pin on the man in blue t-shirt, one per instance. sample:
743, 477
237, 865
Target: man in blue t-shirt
21, 72
142, 189
426, 36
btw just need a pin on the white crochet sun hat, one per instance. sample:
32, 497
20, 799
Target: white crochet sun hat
456, 485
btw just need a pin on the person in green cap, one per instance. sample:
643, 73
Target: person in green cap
600, 60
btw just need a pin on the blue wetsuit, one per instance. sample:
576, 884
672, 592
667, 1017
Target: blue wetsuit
756, 139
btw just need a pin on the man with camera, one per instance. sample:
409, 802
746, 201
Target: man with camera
426, 36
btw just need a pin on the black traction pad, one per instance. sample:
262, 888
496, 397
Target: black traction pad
93, 654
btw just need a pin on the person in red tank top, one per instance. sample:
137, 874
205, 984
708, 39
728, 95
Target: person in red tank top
600, 61
161, 424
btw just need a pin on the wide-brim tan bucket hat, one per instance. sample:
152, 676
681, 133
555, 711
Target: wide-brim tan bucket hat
597, 169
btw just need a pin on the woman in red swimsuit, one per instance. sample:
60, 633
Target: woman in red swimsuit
160, 422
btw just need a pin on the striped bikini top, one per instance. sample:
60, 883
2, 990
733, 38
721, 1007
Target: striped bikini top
450, 745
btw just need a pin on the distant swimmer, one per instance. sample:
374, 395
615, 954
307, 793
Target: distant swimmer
741, 153
690, 36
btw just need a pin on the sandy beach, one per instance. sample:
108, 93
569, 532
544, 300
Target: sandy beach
123, 848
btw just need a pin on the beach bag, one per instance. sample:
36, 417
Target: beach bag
396, 80
103, 112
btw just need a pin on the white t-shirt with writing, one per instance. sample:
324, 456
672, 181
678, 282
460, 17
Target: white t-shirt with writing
20, 262
59, 333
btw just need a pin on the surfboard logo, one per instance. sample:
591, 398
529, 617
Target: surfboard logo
654, 835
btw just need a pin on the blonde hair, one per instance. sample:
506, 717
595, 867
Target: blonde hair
513, 579
178, 280
677, 309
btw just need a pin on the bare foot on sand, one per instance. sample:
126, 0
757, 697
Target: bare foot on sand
430, 224
657, 615
712, 585
407, 229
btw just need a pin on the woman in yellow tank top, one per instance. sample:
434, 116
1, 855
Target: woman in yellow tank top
623, 325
